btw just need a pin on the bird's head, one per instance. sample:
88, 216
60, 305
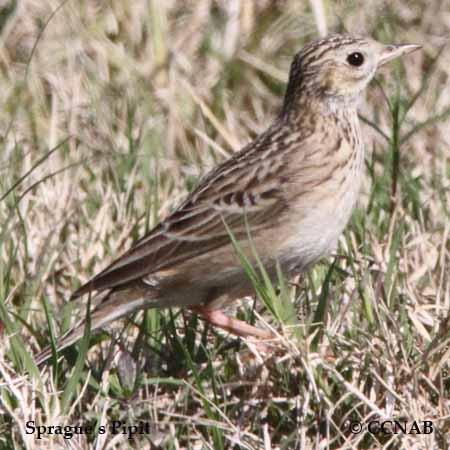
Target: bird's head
339, 66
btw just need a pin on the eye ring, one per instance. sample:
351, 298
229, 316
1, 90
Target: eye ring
355, 59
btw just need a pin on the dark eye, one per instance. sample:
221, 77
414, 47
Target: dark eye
355, 59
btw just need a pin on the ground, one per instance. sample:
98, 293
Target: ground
111, 111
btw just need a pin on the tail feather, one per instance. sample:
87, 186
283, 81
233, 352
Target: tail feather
114, 306
64, 341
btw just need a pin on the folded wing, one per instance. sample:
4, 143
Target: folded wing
246, 192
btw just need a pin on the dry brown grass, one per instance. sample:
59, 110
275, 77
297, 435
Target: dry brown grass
144, 97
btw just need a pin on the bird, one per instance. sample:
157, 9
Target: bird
282, 201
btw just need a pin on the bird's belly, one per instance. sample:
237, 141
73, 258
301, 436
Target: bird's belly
317, 233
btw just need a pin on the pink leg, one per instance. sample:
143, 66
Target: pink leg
234, 326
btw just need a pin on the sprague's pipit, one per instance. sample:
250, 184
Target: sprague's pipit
287, 195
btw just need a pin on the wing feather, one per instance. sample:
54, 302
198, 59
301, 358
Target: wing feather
232, 194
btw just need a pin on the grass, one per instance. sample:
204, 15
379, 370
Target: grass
110, 113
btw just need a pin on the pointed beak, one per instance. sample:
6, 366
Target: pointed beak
390, 52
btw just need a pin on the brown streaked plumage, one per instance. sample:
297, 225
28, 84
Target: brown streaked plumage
292, 189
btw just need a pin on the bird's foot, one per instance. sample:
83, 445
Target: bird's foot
237, 327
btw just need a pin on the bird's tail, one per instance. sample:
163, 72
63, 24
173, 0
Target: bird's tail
114, 305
